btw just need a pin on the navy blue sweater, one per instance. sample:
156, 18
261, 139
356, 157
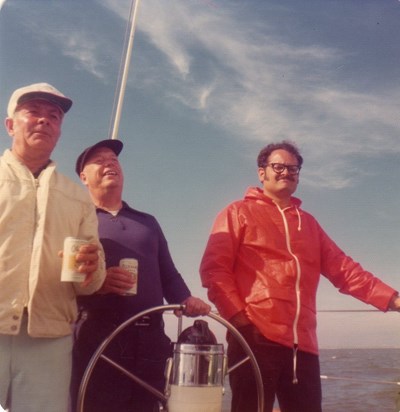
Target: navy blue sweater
134, 234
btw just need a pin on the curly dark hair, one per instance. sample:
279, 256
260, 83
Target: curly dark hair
262, 158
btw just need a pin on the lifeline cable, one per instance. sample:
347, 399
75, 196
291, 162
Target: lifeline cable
345, 378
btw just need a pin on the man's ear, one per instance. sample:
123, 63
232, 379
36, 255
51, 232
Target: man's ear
9, 125
261, 174
83, 178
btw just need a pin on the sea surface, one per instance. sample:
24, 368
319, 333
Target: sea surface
355, 380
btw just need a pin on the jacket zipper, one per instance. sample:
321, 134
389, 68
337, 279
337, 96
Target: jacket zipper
298, 297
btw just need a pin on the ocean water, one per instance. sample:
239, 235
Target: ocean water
361, 380
355, 380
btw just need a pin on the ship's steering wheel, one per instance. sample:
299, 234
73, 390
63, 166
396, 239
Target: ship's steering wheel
99, 354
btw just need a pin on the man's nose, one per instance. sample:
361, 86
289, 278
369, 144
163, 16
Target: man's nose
44, 120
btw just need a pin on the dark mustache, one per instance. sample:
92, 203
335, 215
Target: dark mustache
291, 178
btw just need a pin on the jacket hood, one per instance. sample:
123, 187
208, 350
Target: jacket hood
256, 193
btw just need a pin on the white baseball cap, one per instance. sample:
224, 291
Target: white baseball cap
42, 91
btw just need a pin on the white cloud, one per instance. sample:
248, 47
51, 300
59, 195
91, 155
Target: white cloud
74, 35
252, 73
239, 74
261, 88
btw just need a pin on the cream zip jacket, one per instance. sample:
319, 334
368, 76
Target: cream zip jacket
35, 217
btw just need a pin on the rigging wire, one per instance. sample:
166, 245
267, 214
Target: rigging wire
345, 378
348, 310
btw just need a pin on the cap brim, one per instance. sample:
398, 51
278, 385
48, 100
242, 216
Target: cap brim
63, 102
115, 145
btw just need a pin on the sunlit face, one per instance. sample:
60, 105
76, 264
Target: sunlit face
279, 185
35, 127
102, 170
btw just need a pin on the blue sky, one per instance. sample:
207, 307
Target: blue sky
210, 83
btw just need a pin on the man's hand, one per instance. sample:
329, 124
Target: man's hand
240, 319
118, 280
88, 259
394, 304
194, 307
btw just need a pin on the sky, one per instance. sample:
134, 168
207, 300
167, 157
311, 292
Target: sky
210, 83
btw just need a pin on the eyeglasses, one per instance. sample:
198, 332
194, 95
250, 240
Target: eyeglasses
280, 168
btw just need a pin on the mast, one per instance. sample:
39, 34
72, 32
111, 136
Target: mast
124, 69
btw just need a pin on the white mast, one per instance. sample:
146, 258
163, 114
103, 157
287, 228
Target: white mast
124, 77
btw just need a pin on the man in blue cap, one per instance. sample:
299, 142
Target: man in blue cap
144, 347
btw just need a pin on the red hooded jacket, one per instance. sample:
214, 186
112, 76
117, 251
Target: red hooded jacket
267, 261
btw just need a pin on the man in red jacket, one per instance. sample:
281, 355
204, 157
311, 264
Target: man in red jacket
262, 266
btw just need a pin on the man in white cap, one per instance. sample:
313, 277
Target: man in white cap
39, 208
